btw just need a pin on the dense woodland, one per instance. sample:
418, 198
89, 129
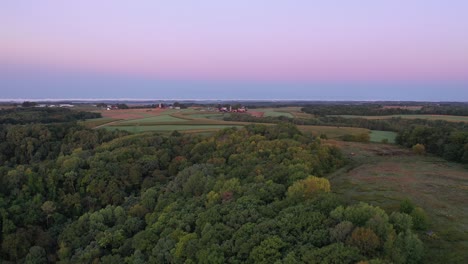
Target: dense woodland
254, 195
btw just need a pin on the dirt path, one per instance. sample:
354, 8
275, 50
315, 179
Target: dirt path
107, 124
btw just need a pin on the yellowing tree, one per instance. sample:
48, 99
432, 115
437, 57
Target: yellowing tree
419, 149
308, 188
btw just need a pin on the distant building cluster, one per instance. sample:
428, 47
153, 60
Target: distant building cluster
53, 105
230, 109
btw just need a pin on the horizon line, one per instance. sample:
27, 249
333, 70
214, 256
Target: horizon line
5, 100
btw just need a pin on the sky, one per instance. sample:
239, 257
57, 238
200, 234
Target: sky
243, 49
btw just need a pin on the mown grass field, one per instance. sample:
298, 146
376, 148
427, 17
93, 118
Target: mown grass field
384, 175
428, 117
378, 136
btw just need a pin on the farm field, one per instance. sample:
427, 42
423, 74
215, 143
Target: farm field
428, 117
169, 128
92, 123
275, 112
214, 116
377, 136
384, 175
195, 121
295, 111
154, 119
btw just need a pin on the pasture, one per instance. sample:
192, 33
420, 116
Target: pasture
384, 175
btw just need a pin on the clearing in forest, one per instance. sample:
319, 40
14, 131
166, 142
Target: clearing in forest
384, 175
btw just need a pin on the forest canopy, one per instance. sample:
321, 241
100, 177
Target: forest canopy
70, 194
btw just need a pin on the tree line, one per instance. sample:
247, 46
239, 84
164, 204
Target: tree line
43, 115
373, 109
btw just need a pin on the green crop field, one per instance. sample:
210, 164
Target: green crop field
384, 175
378, 136
154, 119
208, 116
91, 123
275, 112
166, 128
428, 117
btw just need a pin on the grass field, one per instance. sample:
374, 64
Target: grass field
384, 175
168, 128
333, 132
428, 117
378, 136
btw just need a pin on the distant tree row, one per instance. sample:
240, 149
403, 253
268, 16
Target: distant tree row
379, 110
43, 115
395, 124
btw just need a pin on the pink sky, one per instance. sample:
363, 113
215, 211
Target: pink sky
297, 41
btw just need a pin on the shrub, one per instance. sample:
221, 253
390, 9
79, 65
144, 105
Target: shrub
420, 219
419, 149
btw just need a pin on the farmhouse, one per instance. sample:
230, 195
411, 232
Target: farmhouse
231, 110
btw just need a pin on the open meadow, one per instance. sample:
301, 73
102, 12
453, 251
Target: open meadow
384, 175
381, 136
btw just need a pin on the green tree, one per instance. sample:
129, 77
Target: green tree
331, 254
269, 251
36, 255
401, 222
406, 206
308, 188
48, 207
341, 231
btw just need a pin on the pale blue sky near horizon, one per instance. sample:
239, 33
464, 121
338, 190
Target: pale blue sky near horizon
97, 86
209, 49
